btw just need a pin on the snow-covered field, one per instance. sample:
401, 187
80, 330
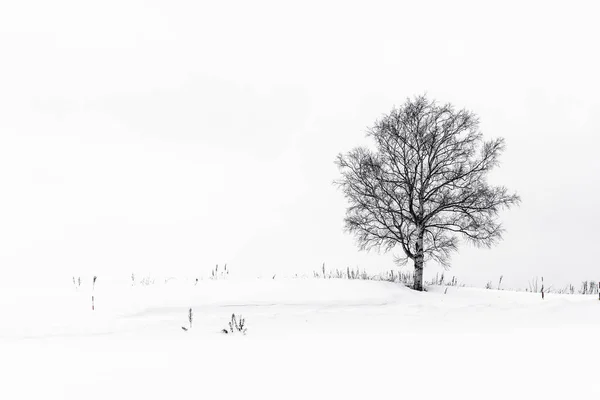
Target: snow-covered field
307, 339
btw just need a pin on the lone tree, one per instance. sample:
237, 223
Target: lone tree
424, 184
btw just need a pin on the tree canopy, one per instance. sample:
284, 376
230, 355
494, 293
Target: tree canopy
424, 184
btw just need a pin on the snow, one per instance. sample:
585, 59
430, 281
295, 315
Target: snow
307, 338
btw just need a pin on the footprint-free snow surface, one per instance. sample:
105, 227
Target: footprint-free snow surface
306, 339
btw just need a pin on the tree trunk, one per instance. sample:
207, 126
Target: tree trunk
419, 262
418, 278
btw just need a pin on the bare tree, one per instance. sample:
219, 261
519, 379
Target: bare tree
424, 184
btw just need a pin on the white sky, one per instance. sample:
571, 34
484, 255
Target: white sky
167, 136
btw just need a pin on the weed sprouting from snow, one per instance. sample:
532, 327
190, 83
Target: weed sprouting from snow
533, 286
589, 287
147, 281
77, 282
216, 274
542, 288
190, 320
405, 278
236, 325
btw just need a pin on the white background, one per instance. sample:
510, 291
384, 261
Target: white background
167, 136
